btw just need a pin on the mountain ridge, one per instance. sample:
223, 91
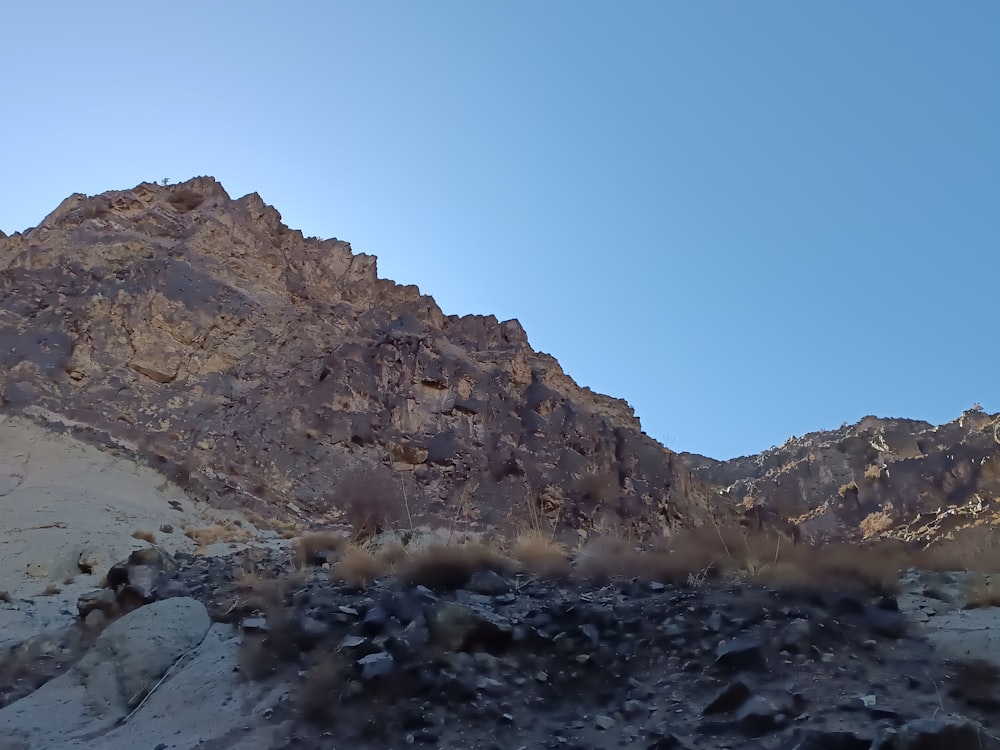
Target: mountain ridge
263, 365
877, 478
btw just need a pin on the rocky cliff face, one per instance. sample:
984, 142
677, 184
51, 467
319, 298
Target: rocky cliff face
880, 477
259, 367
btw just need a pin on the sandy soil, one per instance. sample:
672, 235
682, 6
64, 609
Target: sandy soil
63, 502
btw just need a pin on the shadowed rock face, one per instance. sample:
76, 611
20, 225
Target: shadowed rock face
256, 366
926, 479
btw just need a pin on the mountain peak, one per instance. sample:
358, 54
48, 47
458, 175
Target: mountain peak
260, 367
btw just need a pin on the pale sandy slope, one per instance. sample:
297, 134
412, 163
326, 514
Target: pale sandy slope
62, 499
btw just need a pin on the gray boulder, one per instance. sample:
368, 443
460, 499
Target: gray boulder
124, 664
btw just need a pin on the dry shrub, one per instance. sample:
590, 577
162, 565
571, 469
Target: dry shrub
317, 547
256, 659
599, 488
231, 531
764, 556
262, 592
260, 654
687, 554
144, 535
873, 472
51, 590
392, 555
372, 500
976, 682
256, 518
6, 598
875, 523
357, 566
721, 549
540, 554
320, 691
980, 591
851, 486
602, 558
876, 567
446, 567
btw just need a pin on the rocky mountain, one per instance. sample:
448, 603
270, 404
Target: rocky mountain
896, 478
264, 369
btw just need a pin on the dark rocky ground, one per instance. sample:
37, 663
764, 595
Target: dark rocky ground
507, 660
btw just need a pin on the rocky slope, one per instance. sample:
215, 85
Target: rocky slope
503, 659
880, 477
263, 369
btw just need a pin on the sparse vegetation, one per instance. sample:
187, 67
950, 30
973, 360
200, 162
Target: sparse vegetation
873, 472
230, 531
851, 486
318, 547
146, 536
372, 500
450, 566
875, 523
357, 566
6, 598
541, 554
323, 681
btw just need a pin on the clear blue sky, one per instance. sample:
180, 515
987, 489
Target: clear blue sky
750, 220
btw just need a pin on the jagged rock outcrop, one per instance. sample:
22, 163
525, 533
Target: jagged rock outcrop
880, 477
257, 367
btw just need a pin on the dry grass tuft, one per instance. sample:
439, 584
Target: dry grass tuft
264, 592
540, 554
144, 535
765, 557
446, 567
372, 500
357, 566
876, 568
256, 659
851, 486
602, 558
51, 590
231, 531
321, 690
875, 523
318, 547
6, 598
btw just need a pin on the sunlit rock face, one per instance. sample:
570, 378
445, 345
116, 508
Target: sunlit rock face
256, 366
896, 478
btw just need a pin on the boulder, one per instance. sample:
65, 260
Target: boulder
123, 665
